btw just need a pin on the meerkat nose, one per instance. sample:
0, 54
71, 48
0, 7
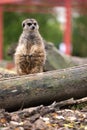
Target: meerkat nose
33, 27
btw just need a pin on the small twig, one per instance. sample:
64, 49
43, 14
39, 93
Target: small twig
70, 101
63, 103
82, 100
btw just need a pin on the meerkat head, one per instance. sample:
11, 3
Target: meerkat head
30, 25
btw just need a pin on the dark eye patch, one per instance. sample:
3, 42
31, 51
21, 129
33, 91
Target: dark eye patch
23, 25
35, 23
29, 24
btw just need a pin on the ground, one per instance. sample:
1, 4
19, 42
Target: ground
45, 118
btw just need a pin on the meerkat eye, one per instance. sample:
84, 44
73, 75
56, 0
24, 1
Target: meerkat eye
35, 24
29, 24
23, 25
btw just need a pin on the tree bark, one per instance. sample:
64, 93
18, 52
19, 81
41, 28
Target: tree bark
43, 88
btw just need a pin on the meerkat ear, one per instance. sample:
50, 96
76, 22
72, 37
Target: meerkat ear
23, 24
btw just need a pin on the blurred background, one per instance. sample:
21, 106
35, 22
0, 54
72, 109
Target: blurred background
62, 22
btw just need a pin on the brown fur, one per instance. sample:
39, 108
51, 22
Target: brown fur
30, 53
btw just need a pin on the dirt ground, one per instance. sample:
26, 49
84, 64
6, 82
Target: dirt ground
44, 118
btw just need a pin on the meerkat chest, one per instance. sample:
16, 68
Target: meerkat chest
23, 49
27, 42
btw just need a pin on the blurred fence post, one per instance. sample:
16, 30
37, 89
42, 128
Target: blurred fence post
1, 32
67, 33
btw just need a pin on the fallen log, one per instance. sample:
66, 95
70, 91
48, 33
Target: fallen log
5, 73
43, 88
57, 60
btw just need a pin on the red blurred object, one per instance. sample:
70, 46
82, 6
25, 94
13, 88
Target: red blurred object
10, 66
67, 33
1, 32
9, 1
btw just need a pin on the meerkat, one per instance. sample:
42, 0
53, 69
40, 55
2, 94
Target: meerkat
30, 55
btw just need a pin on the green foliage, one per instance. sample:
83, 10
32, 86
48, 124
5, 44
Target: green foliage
49, 28
80, 36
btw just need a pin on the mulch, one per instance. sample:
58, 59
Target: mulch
44, 118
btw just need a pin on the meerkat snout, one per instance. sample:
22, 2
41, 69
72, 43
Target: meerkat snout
33, 27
